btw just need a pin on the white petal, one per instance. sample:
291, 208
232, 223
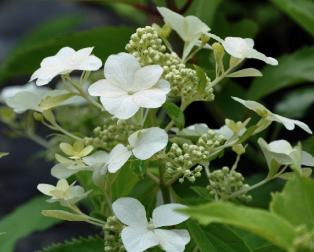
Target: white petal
147, 142
120, 69
46, 188
122, 107
252, 105
307, 159
130, 211
303, 126
92, 63
146, 77
138, 239
237, 47
105, 88
99, 157
65, 52
280, 146
153, 97
118, 156
188, 28
173, 19
26, 100
165, 215
197, 129
60, 171
253, 54
172, 240
290, 123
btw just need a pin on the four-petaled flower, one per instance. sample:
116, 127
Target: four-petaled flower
189, 28
63, 192
141, 234
263, 112
143, 144
242, 48
128, 86
64, 62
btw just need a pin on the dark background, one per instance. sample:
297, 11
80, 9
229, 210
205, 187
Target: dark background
21, 171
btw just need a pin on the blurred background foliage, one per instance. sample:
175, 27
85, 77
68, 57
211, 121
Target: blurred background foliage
281, 28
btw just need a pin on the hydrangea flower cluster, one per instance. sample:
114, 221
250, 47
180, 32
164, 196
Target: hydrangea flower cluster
131, 143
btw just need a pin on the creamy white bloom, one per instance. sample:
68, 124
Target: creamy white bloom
141, 234
63, 192
64, 62
143, 144
189, 28
284, 153
128, 86
262, 111
242, 48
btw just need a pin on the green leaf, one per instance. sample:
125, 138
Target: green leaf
225, 239
124, 182
91, 244
175, 114
106, 41
247, 72
296, 103
202, 78
199, 236
293, 69
23, 221
296, 202
205, 10
260, 222
52, 28
301, 11
63, 215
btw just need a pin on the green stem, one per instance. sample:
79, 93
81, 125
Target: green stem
82, 93
37, 139
164, 187
262, 182
192, 54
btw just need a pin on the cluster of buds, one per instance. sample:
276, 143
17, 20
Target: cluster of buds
147, 46
111, 133
304, 242
112, 230
226, 184
185, 160
211, 140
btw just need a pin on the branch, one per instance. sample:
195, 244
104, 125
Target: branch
186, 6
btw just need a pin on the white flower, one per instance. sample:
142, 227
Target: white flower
262, 111
128, 86
189, 28
284, 153
23, 98
141, 234
143, 144
63, 192
64, 62
242, 48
